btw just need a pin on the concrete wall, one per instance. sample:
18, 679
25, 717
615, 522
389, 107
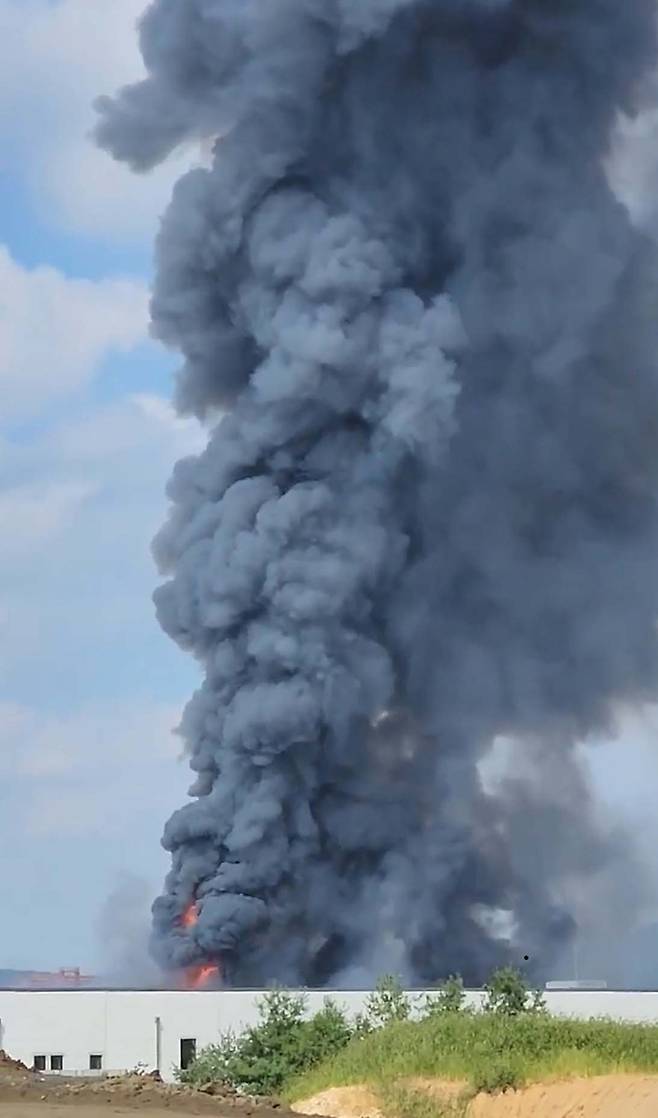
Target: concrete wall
120, 1025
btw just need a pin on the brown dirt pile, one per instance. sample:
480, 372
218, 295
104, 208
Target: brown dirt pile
20, 1108
12, 1072
20, 1087
610, 1096
6, 1063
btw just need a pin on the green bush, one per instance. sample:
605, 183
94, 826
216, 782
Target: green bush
388, 1003
494, 1078
325, 1033
507, 994
283, 1044
450, 997
211, 1065
398, 1100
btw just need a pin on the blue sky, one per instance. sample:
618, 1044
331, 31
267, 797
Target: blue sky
90, 689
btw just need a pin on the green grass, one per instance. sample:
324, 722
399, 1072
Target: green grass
487, 1051
399, 1101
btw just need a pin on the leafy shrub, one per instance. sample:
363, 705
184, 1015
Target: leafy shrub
508, 995
495, 1078
398, 1100
283, 1044
211, 1065
388, 1003
325, 1033
450, 997
363, 1026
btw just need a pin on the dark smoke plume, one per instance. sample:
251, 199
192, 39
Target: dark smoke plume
425, 333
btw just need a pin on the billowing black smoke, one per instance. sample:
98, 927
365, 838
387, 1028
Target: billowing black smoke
425, 334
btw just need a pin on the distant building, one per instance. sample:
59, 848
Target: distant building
66, 978
576, 984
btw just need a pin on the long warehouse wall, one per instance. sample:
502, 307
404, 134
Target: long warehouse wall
131, 1027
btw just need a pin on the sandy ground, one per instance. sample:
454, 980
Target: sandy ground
341, 1102
611, 1096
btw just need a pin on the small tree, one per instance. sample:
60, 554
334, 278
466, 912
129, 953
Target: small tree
363, 1026
265, 1055
212, 1064
325, 1033
450, 997
508, 995
388, 1003
283, 1043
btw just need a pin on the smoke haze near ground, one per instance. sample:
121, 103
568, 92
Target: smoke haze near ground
122, 932
426, 519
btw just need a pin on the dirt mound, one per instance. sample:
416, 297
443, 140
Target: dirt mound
128, 1092
342, 1102
7, 1062
610, 1096
12, 1072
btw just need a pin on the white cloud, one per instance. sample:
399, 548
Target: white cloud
79, 507
141, 431
84, 796
34, 514
64, 750
94, 689
633, 165
54, 331
55, 59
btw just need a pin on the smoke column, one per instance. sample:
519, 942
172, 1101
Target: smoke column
423, 333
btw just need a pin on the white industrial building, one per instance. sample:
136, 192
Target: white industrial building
89, 1032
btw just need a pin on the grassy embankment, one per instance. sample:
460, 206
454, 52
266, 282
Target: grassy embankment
485, 1052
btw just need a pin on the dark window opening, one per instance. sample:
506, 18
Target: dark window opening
95, 1062
39, 1063
187, 1052
56, 1063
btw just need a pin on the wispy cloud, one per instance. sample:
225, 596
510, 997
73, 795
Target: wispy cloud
55, 59
55, 331
79, 507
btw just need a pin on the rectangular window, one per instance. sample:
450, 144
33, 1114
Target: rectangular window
39, 1063
95, 1062
56, 1063
187, 1052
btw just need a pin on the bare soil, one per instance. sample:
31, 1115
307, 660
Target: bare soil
342, 1102
609, 1096
24, 1092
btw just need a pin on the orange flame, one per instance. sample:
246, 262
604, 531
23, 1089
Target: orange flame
201, 976
190, 916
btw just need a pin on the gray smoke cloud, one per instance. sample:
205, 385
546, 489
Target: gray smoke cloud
122, 930
423, 331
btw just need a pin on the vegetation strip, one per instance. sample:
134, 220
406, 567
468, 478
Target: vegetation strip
511, 1042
